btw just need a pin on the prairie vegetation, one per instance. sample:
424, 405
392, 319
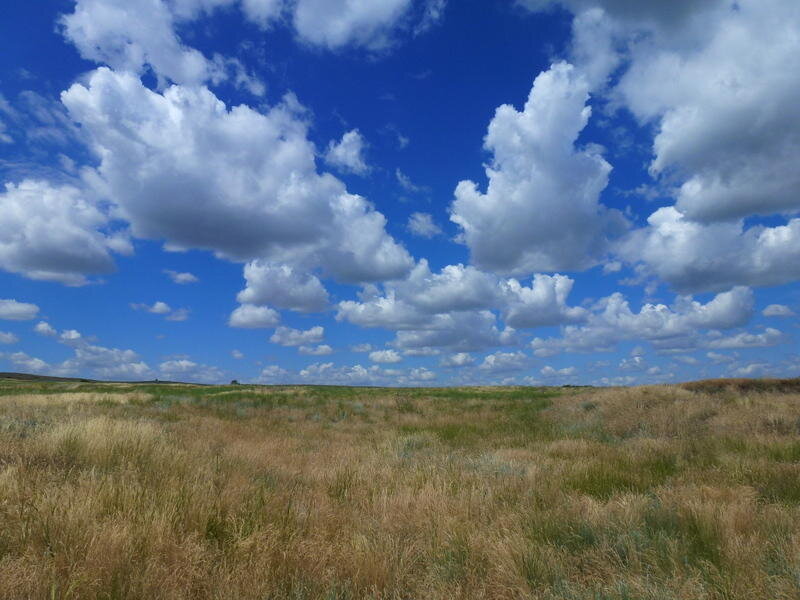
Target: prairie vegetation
170, 491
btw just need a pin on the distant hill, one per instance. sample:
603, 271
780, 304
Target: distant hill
31, 377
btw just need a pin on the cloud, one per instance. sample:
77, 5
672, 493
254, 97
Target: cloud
8, 338
422, 225
770, 337
283, 287
237, 354
460, 359
28, 364
501, 362
541, 304
327, 373
451, 308
273, 374
753, 370
719, 359
239, 182
44, 328
778, 310
541, 210
181, 278
321, 350
286, 336
250, 316
548, 371
361, 348
11, 310
163, 309
409, 303
348, 154
726, 137
612, 320
385, 356
727, 127
433, 13
406, 183
88, 358
158, 308
695, 257
131, 34
421, 374
51, 233
458, 332
190, 371
337, 23
180, 314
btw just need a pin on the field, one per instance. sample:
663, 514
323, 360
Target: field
175, 491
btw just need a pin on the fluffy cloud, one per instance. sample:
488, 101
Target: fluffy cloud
130, 34
250, 316
181, 278
89, 358
28, 364
696, 257
44, 328
541, 210
8, 338
450, 309
283, 287
186, 370
327, 373
778, 310
408, 303
337, 23
421, 374
273, 374
348, 154
549, 371
770, 337
158, 308
428, 313
500, 362
184, 168
164, 309
459, 332
665, 326
460, 359
385, 356
286, 336
422, 224
321, 350
51, 233
727, 126
11, 310
543, 303
727, 136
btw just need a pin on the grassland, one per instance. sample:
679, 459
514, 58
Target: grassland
169, 491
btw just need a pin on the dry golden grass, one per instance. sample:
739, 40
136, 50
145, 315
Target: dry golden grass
123, 491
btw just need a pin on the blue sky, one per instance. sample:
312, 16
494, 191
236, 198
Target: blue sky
400, 192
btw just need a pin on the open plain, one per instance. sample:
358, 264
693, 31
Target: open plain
178, 491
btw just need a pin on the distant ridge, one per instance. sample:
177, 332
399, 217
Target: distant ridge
31, 377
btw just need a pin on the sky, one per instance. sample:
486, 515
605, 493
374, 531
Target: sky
400, 192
